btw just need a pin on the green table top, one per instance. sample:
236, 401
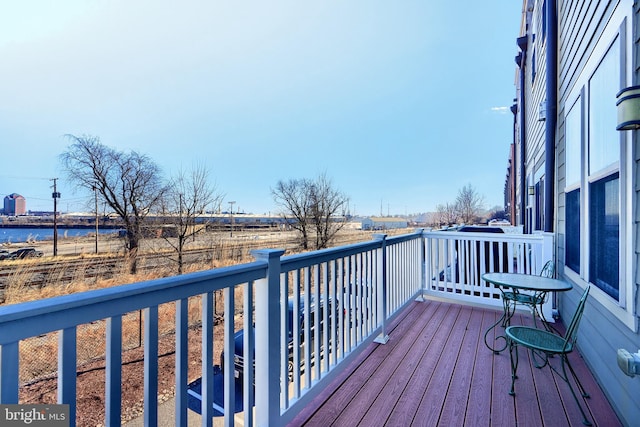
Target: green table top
527, 281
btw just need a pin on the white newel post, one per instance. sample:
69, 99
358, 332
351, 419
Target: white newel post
382, 287
267, 340
423, 267
547, 254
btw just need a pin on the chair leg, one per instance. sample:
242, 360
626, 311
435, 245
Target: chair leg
513, 348
506, 306
534, 314
583, 392
565, 377
535, 354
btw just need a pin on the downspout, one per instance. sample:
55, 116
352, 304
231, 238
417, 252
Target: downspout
552, 109
514, 166
521, 60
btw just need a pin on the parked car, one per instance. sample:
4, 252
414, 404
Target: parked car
238, 357
451, 272
25, 253
4, 254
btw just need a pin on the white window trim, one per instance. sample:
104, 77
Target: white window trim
624, 309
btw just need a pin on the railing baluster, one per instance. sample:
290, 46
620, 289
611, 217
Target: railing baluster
206, 404
327, 313
113, 371
342, 315
151, 366
334, 331
318, 325
295, 334
308, 345
9, 372
67, 370
249, 359
182, 361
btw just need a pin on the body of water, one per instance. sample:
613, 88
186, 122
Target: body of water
17, 235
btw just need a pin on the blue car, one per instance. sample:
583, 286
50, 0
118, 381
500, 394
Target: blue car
238, 357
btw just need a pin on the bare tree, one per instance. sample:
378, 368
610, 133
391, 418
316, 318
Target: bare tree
447, 214
312, 206
129, 183
469, 203
187, 197
293, 196
327, 210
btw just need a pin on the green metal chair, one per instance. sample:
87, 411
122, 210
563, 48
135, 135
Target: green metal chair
531, 300
549, 344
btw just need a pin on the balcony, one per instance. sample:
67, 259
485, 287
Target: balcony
370, 323
436, 371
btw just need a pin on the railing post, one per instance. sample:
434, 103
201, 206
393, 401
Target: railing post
267, 339
547, 254
423, 277
382, 287
428, 254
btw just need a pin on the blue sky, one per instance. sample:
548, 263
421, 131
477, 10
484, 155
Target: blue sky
400, 103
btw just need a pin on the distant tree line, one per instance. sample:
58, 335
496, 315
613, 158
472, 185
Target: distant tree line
132, 186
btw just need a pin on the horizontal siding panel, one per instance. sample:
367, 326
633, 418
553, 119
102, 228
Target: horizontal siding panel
582, 40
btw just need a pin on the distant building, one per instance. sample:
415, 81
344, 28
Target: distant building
383, 223
15, 204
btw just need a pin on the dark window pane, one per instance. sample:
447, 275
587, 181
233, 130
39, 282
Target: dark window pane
604, 228
539, 195
572, 241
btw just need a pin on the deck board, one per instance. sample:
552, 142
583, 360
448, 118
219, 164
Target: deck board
436, 370
479, 403
455, 404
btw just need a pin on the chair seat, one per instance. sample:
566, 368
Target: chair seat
520, 297
538, 339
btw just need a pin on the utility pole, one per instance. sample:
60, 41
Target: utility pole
55, 196
231, 216
95, 197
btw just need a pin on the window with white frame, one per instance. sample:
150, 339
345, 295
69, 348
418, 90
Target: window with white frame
592, 175
603, 174
573, 150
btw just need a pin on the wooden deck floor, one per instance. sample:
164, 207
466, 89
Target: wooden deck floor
436, 371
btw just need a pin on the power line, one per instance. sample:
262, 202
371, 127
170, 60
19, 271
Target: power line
25, 177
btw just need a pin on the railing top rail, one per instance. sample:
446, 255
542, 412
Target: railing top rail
293, 262
392, 240
20, 321
498, 237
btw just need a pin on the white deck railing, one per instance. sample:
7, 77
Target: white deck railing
455, 263
351, 292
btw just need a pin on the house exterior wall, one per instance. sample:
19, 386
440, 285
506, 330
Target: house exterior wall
589, 35
530, 119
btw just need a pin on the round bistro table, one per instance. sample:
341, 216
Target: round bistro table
510, 286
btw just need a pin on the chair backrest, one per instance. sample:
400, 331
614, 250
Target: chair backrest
572, 330
548, 270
